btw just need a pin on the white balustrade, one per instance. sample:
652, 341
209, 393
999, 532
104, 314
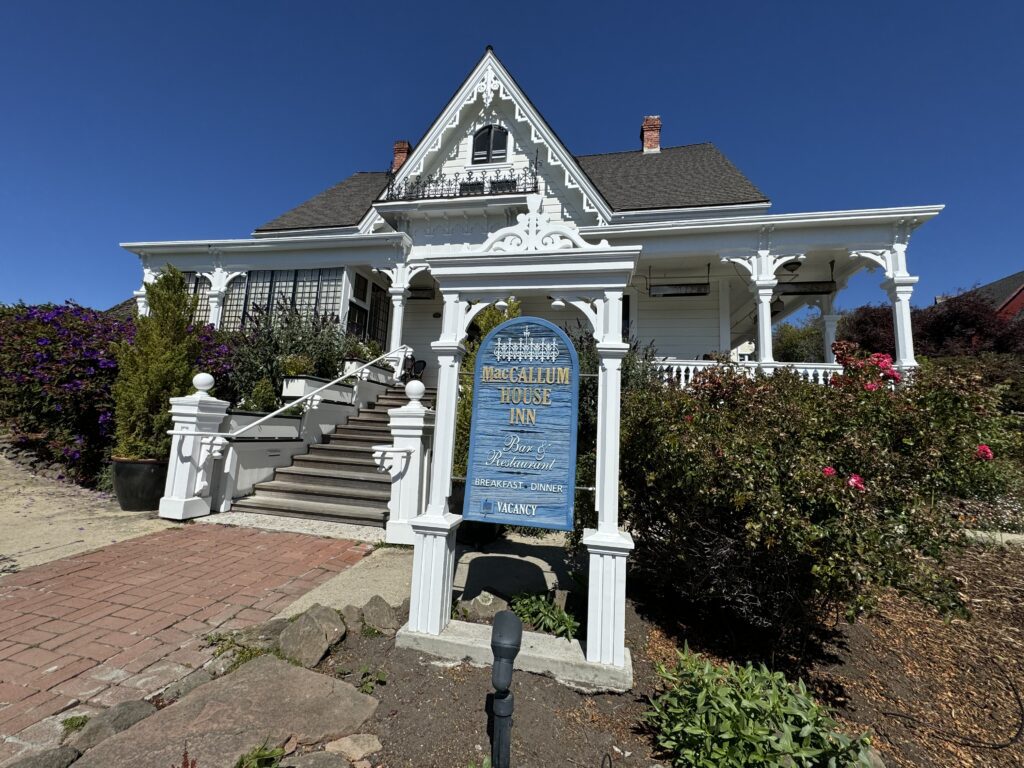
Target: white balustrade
682, 372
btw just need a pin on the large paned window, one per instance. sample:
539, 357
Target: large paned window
490, 145
234, 304
199, 286
310, 291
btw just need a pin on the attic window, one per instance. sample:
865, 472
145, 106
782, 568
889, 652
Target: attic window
490, 145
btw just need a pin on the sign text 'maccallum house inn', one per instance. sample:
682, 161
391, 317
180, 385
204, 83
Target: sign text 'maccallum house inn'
522, 452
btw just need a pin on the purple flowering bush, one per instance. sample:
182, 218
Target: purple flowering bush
57, 367
57, 371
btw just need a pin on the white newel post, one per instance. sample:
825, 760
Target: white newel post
764, 289
607, 546
187, 492
433, 564
900, 288
409, 424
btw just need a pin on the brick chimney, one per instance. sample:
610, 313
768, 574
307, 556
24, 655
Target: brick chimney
402, 150
650, 134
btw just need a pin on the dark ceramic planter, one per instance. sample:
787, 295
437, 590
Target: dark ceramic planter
139, 485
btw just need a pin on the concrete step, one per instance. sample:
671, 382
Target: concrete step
330, 460
370, 416
360, 438
355, 497
375, 427
367, 478
311, 510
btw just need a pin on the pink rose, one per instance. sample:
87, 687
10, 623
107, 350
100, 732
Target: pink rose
829, 472
984, 453
871, 386
856, 482
881, 360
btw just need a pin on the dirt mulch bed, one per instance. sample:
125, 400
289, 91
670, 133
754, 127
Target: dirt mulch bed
431, 714
939, 693
933, 693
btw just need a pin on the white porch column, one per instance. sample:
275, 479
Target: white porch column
764, 290
219, 279
187, 492
141, 302
433, 563
900, 288
724, 317
829, 324
401, 276
607, 546
398, 298
762, 265
899, 284
406, 462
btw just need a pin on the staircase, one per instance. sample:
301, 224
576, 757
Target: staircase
337, 480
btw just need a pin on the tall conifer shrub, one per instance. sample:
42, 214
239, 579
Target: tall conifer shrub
157, 365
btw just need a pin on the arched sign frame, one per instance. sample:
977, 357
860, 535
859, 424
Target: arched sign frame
488, 436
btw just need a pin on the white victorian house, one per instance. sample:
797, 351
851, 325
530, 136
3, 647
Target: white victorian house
670, 245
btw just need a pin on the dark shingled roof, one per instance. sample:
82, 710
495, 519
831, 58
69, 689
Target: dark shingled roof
343, 205
696, 175
999, 292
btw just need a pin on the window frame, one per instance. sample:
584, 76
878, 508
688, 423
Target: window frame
490, 161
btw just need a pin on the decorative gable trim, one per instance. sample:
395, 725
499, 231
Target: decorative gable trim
490, 80
535, 232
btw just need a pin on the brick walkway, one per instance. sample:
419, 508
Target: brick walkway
124, 621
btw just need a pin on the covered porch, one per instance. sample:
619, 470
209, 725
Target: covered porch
709, 288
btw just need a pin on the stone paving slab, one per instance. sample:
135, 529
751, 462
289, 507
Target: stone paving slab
264, 700
122, 622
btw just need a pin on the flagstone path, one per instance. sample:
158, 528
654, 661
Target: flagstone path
124, 621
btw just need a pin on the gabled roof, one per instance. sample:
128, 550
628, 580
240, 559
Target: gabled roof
1000, 292
692, 176
695, 175
343, 205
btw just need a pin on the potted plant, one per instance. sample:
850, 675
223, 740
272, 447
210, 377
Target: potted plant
154, 367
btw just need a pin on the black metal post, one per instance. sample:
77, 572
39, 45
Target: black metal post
506, 639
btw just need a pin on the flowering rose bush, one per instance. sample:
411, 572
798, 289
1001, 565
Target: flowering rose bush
768, 497
57, 366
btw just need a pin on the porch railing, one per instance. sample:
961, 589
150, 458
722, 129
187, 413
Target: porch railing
682, 372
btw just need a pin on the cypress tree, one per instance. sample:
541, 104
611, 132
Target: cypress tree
157, 365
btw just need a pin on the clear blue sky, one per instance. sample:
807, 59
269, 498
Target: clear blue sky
178, 120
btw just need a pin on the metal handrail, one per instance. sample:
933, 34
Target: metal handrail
403, 350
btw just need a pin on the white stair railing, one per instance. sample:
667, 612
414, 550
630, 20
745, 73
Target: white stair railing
195, 448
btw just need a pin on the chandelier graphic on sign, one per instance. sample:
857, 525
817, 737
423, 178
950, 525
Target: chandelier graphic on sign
508, 349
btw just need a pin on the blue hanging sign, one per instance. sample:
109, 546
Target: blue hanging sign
522, 442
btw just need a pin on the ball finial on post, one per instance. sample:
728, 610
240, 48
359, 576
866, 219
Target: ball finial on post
415, 390
203, 382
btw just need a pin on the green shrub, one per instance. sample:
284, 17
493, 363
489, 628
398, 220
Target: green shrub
261, 757
720, 717
769, 498
262, 399
285, 343
157, 365
298, 365
484, 323
541, 613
